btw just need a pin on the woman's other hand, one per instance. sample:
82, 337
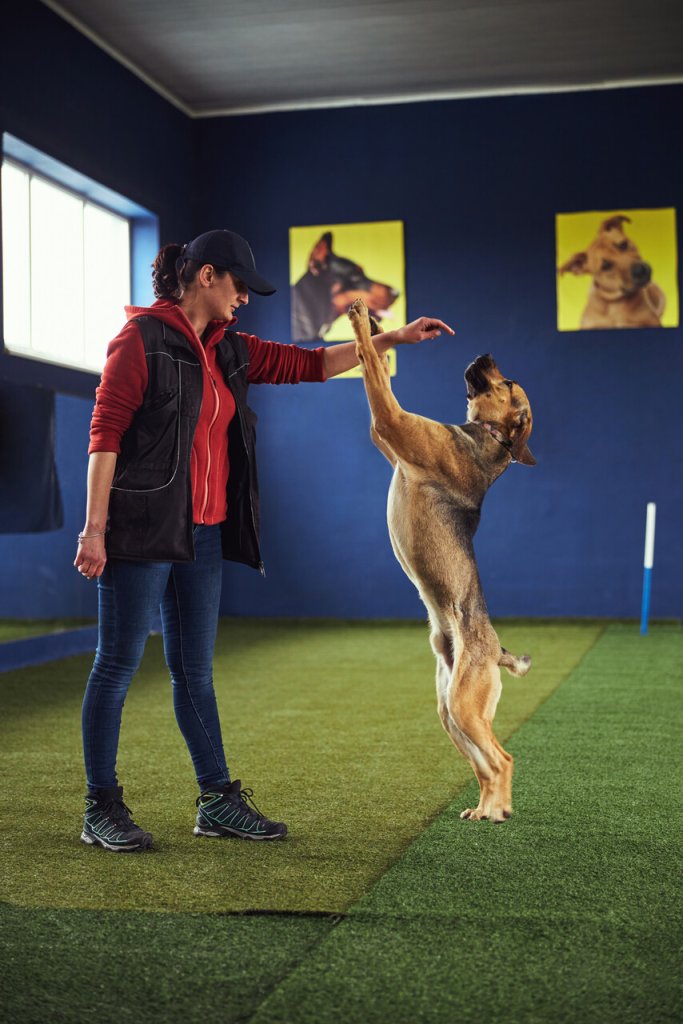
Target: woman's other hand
91, 556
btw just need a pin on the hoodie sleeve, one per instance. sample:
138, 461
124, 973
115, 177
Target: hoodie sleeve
121, 390
271, 362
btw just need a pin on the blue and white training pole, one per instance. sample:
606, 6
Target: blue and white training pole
647, 564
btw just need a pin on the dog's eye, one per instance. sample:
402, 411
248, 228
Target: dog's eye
509, 383
622, 246
607, 265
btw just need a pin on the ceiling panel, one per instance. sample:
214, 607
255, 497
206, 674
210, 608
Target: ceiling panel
226, 56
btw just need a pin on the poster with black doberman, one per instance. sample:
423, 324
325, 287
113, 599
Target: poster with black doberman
332, 265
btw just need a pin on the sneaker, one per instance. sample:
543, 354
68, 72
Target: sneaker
225, 811
107, 823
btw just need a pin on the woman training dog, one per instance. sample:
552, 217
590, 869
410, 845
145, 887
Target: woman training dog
172, 491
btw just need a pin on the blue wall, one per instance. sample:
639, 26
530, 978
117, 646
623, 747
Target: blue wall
477, 184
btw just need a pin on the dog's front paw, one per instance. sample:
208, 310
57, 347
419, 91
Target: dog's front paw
360, 321
358, 308
358, 315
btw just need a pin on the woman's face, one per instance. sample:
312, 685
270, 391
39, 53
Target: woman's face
225, 294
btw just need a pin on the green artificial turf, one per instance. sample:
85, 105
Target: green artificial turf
79, 965
334, 726
20, 629
569, 912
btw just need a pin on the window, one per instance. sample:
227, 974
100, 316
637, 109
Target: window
67, 259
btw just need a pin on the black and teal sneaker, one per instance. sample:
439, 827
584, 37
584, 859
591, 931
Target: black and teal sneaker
107, 823
225, 811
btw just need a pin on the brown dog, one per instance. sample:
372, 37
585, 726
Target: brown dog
623, 293
441, 474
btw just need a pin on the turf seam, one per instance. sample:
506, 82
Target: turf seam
334, 919
333, 916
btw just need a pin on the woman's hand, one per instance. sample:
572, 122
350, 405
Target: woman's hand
91, 556
338, 358
422, 329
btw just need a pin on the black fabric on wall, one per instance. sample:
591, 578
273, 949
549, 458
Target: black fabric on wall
30, 496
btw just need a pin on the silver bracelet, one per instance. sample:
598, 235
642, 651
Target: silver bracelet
87, 536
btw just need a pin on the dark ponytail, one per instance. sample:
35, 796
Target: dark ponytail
171, 275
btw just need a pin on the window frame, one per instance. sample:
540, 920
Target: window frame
29, 368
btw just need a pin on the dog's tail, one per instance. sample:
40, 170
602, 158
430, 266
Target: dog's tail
515, 666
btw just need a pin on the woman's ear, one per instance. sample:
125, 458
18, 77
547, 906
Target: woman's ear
206, 275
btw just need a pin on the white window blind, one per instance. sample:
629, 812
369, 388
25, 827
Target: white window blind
66, 271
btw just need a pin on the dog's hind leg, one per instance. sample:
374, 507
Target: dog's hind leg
442, 645
444, 641
473, 697
470, 752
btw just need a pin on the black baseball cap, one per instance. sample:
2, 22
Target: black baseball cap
228, 251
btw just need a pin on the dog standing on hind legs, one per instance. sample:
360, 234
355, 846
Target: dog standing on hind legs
441, 474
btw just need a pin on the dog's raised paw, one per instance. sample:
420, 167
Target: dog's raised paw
358, 308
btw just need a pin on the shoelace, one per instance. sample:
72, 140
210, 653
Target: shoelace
246, 796
119, 813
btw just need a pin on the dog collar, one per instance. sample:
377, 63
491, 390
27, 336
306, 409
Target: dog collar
495, 433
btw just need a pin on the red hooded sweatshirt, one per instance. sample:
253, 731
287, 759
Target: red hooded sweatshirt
124, 380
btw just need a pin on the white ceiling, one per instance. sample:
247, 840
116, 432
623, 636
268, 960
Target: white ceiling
236, 56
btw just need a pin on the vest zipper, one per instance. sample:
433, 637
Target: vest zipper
208, 443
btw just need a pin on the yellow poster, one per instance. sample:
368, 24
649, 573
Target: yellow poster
332, 265
616, 268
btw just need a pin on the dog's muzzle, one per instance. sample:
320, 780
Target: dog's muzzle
641, 274
476, 373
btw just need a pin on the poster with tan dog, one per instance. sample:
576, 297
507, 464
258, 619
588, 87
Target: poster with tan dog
332, 265
616, 268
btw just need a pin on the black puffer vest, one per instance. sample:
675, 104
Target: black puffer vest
150, 508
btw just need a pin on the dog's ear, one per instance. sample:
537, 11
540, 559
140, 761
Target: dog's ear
320, 254
523, 455
614, 222
519, 435
576, 265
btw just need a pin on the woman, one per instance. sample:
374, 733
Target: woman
172, 490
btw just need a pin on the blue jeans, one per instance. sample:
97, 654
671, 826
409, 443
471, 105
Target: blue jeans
130, 594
